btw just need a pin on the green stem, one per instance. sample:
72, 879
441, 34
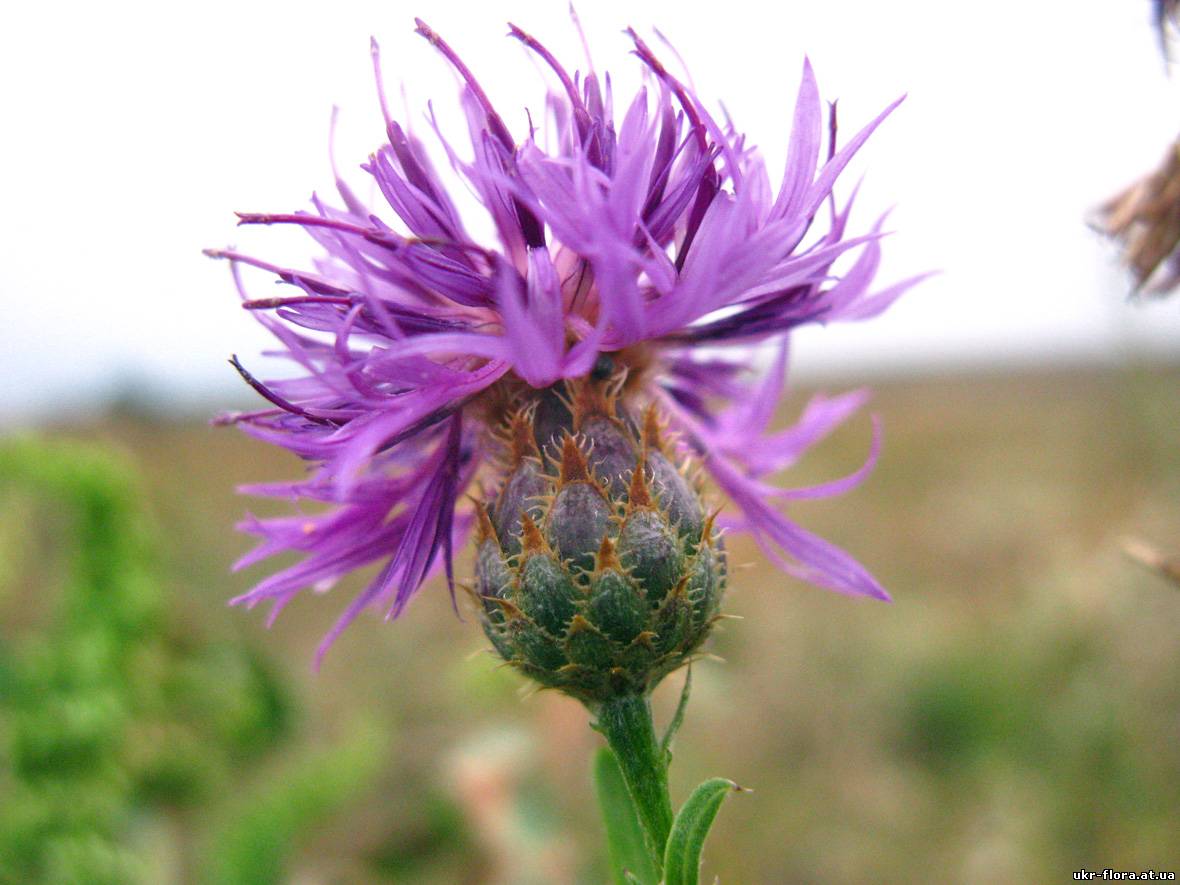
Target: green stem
627, 725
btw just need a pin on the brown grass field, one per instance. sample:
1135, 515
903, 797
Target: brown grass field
1014, 715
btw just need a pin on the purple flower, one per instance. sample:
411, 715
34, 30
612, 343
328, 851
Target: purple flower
650, 239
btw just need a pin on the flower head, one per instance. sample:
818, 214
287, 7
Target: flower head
645, 251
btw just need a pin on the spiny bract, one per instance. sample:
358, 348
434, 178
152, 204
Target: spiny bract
597, 568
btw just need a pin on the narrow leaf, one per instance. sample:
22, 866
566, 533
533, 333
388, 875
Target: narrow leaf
678, 717
682, 857
629, 859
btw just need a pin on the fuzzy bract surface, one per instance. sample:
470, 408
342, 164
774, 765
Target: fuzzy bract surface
598, 571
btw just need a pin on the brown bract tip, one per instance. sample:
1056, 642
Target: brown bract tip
645, 639
579, 624
607, 557
531, 539
652, 430
638, 492
522, 442
511, 611
589, 398
573, 463
484, 530
707, 531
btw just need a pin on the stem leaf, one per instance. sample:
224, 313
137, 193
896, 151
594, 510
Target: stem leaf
682, 856
629, 858
626, 723
677, 718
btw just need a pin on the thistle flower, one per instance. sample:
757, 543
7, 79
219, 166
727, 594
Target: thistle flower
572, 376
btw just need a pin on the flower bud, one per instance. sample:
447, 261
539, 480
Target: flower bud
597, 571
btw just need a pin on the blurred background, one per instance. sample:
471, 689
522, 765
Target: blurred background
1014, 713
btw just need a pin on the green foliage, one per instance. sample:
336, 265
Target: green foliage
439, 835
960, 710
254, 844
90, 859
643, 840
682, 856
677, 719
629, 857
107, 708
626, 723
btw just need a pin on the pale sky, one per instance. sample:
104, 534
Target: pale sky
134, 130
